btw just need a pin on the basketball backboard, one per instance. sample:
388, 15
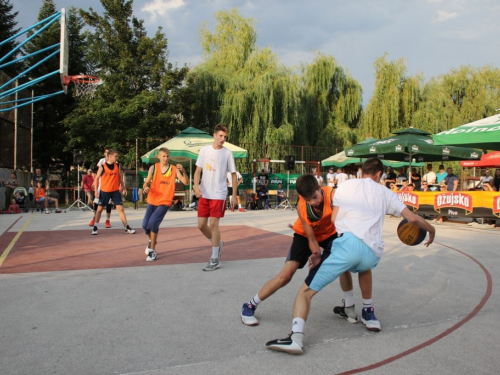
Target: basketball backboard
64, 54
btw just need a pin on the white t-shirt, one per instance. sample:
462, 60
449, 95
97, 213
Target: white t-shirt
215, 165
341, 178
486, 179
319, 179
330, 176
430, 177
363, 205
230, 179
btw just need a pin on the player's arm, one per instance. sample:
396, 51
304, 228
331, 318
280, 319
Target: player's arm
421, 223
96, 180
234, 179
196, 182
181, 174
313, 242
122, 184
149, 178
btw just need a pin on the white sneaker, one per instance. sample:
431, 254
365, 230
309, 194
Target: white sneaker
292, 344
47, 211
94, 231
212, 265
151, 255
130, 230
148, 248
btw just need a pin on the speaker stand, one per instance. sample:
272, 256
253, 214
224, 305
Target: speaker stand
78, 203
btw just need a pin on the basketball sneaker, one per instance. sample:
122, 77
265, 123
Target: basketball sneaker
370, 320
232, 209
346, 313
129, 230
212, 265
247, 316
148, 248
92, 222
151, 255
107, 224
94, 230
292, 344
241, 209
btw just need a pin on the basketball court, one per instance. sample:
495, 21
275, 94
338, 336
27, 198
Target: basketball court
73, 303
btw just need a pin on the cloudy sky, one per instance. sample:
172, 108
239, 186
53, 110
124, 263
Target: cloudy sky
434, 36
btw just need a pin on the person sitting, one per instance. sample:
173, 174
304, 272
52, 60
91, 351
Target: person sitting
280, 195
41, 197
405, 185
411, 187
401, 176
13, 208
393, 186
425, 186
262, 197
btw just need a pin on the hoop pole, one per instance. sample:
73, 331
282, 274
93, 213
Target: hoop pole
58, 14
30, 55
27, 84
37, 99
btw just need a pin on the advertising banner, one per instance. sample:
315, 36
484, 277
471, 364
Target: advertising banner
274, 180
453, 203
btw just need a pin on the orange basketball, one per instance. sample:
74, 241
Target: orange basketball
410, 234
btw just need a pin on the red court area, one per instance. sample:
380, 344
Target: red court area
112, 248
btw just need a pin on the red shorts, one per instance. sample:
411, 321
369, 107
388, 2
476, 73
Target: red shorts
211, 207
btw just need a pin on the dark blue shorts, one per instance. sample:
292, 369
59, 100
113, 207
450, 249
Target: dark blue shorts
153, 217
115, 197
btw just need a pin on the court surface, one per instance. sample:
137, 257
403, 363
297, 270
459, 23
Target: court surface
72, 303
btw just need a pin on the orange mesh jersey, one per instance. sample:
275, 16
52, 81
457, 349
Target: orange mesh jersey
39, 193
110, 179
162, 188
322, 226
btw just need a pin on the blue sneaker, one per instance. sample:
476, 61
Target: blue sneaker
247, 316
370, 320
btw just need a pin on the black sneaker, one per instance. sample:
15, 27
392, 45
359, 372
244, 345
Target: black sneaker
292, 344
346, 313
94, 231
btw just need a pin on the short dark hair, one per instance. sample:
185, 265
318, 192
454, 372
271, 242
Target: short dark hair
220, 127
372, 166
306, 185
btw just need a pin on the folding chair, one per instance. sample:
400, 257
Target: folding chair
285, 203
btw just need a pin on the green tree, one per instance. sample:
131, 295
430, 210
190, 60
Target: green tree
7, 30
141, 95
395, 99
49, 136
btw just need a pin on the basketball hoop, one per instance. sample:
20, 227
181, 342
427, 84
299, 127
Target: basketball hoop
85, 85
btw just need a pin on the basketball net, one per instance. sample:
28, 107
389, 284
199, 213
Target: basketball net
85, 85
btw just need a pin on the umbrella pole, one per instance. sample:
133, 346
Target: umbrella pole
190, 179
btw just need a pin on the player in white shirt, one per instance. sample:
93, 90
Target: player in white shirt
359, 209
330, 177
341, 177
214, 161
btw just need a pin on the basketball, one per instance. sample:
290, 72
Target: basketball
410, 234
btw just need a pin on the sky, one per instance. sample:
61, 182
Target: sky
433, 36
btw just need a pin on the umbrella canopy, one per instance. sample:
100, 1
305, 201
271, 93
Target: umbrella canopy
411, 143
489, 160
484, 134
341, 160
186, 146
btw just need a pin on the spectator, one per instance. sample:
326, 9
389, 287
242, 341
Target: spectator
40, 196
441, 175
393, 187
263, 178
405, 185
496, 180
450, 183
87, 182
430, 176
13, 208
390, 178
425, 186
330, 177
318, 177
487, 178
39, 177
10, 185
415, 178
262, 197
359, 173
341, 177
401, 175
280, 194
411, 187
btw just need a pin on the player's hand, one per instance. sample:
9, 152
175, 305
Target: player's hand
124, 192
314, 260
432, 234
179, 168
198, 192
234, 201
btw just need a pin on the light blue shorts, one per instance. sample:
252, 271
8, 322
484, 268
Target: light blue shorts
348, 253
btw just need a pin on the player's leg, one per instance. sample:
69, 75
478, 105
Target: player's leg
117, 200
347, 310
153, 227
109, 206
217, 208
368, 314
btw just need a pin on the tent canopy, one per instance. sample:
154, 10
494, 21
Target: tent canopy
341, 160
489, 160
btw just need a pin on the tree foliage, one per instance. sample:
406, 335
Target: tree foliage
141, 96
8, 29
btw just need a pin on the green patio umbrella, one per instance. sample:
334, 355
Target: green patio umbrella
409, 144
341, 160
484, 134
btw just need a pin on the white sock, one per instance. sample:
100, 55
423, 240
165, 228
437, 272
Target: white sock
298, 325
367, 303
255, 300
215, 252
349, 298
239, 205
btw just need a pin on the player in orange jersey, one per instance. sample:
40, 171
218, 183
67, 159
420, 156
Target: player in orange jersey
160, 187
